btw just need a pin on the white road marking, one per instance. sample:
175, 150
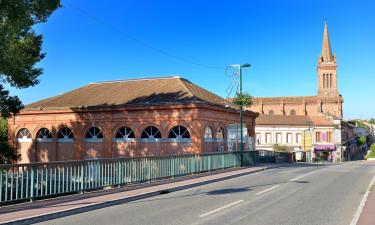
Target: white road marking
221, 208
362, 204
268, 189
305, 175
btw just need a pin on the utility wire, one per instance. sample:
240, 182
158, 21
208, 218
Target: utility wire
160, 51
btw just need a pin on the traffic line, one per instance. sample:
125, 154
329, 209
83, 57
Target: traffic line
363, 203
221, 208
305, 175
267, 190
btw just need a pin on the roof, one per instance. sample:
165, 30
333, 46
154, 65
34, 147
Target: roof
137, 92
293, 120
283, 120
321, 121
326, 46
285, 99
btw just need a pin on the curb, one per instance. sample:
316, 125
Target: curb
94, 206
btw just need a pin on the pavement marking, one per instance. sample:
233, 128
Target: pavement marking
305, 175
362, 204
221, 208
268, 189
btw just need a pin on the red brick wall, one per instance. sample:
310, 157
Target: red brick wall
194, 118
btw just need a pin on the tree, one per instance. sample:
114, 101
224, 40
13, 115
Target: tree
361, 140
20, 46
372, 121
7, 153
244, 99
20, 51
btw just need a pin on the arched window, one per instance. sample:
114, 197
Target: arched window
24, 135
65, 134
330, 80
271, 112
179, 133
324, 81
44, 135
220, 133
292, 112
94, 134
124, 134
208, 133
151, 133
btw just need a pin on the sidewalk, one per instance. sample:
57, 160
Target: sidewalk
367, 216
58, 207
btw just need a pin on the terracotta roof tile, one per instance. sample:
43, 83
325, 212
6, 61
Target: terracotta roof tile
293, 99
321, 121
151, 91
283, 120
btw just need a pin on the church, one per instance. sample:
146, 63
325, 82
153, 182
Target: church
327, 102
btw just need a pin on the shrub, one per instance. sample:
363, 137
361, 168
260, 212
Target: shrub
370, 155
372, 148
361, 140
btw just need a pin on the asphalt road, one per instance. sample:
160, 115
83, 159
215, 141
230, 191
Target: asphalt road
324, 194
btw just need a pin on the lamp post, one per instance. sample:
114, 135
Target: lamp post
241, 107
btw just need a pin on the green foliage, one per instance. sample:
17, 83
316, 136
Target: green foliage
370, 155
20, 46
358, 123
8, 104
372, 148
3, 130
244, 99
372, 121
7, 153
361, 140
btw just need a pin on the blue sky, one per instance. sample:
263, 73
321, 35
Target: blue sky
88, 41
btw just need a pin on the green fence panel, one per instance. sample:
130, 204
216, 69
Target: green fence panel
38, 180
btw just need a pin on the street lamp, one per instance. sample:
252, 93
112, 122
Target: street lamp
241, 107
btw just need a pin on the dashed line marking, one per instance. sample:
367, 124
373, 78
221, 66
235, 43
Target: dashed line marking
267, 190
221, 208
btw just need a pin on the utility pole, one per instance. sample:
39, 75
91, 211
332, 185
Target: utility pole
241, 108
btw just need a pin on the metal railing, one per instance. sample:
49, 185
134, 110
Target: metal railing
20, 182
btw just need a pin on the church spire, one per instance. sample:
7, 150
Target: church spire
326, 47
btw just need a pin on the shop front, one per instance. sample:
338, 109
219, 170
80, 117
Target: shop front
324, 153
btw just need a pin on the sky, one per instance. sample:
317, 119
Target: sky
88, 41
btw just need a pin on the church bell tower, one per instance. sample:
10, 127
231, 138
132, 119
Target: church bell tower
327, 69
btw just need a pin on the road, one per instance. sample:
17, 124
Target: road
298, 194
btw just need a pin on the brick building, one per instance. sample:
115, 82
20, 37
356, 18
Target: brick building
156, 116
328, 101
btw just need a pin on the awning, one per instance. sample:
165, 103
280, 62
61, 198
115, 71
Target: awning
324, 147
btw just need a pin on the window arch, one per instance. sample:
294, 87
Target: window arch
124, 134
24, 135
330, 80
151, 132
94, 134
44, 135
208, 132
292, 112
179, 132
65, 134
271, 112
220, 133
